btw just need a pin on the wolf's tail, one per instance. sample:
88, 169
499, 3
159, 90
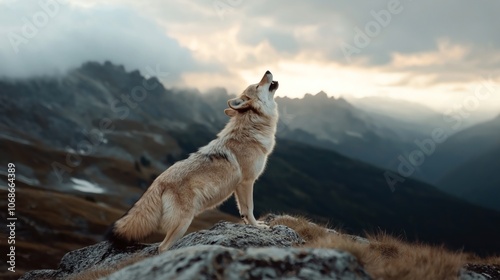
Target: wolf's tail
139, 222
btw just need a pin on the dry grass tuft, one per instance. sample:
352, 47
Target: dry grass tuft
411, 261
305, 228
384, 257
92, 274
493, 260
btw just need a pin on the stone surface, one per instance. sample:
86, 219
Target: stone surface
480, 271
470, 275
218, 262
241, 236
100, 255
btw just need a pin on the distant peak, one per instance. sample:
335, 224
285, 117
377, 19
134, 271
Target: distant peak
322, 95
318, 96
107, 65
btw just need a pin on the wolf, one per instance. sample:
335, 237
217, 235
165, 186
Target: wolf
229, 164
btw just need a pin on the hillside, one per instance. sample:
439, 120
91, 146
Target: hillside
460, 148
477, 180
407, 111
52, 223
335, 124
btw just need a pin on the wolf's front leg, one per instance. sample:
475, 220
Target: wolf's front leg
244, 198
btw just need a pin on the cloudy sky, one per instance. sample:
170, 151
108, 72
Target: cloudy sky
439, 53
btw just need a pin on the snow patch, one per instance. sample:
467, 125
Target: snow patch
86, 186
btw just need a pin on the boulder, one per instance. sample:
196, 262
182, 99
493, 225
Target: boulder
219, 262
226, 251
241, 236
99, 256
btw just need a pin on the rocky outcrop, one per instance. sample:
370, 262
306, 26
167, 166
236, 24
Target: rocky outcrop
480, 272
218, 262
241, 237
471, 275
226, 251
98, 256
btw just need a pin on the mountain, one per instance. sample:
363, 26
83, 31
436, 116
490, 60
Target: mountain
88, 134
404, 110
477, 180
415, 119
418, 117
335, 124
460, 148
465, 165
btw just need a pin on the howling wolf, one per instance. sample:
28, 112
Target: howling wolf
229, 164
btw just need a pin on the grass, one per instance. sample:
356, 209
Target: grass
387, 257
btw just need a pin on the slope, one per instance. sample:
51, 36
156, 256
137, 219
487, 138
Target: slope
460, 148
477, 180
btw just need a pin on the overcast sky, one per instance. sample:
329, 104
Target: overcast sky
434, 52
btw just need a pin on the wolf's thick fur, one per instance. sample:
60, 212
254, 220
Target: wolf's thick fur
229, 164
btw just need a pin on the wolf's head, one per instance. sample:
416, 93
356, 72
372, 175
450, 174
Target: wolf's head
257, 98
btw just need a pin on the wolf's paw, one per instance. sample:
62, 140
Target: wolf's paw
262, 224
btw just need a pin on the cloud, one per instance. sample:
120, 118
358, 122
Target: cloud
417, 27
279, 40
450, 63
203, 49
74, 34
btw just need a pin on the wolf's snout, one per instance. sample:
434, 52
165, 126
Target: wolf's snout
267, 79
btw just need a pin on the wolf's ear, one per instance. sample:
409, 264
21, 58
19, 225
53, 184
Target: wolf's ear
230, 112
238, 103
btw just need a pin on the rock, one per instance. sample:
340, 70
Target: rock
480, 271
470, 275
218, 262
241, 236
226, 250
356, 238
100, 255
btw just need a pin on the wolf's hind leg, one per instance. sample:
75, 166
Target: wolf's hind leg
174, 232
174, 222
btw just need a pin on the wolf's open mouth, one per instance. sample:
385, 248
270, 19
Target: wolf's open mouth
274, 85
